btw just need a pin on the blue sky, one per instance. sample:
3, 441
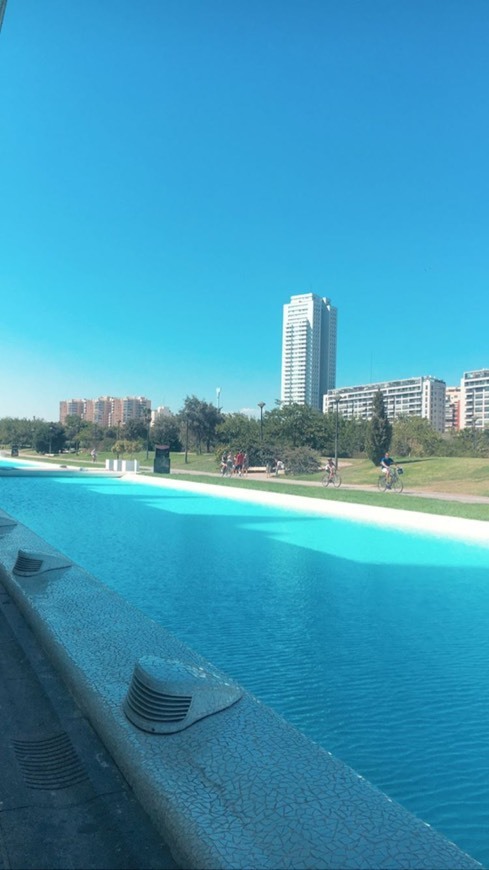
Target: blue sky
172, 171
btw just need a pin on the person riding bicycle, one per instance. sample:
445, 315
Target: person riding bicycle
330, 468
386, 463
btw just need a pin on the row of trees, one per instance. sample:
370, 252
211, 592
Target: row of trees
200, 426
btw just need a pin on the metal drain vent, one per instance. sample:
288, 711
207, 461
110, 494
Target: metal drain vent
29, 563
49, 764
167, 695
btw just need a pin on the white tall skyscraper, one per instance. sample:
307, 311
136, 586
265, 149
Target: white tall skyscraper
308, 350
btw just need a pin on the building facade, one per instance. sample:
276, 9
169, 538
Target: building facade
308, 349
106, 410
72, 408
452, 409
474, 404
414, 397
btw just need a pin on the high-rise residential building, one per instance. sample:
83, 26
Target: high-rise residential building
452, 408
308, 349
72, 408
106, 410
474, 405
413, 397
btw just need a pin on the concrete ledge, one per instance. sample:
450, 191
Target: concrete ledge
239, 789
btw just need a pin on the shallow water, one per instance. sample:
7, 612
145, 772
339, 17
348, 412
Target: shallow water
373, 642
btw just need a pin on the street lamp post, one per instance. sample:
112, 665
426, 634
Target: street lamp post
261, 405
51, 431
337, 402
147, 414
186, 440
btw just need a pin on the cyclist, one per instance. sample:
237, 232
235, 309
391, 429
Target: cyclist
330, 468
385, 463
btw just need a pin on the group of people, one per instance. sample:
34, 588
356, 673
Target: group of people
235, 465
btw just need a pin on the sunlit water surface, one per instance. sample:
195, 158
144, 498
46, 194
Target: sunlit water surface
373, 642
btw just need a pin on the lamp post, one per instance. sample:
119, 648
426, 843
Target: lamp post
337, 402
147, 414
186, 439
261, 405
51, 432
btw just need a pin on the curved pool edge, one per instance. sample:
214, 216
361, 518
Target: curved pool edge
463, 529
241, 788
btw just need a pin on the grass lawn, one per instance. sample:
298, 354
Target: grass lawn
205, 462
434, 474
374, 498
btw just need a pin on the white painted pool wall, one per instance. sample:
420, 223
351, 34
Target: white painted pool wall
122, 465
239, 789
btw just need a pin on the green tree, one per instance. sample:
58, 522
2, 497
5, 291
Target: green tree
295, 425
90, 435
135, 429
379, 431
73, 425
201, 419
467, 442
20, 432
415, 436
50, 438
166, 430
238, 431
353, 435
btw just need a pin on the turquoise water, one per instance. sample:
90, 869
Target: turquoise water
373, 642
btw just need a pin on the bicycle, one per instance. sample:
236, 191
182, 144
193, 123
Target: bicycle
392, 481
333, 478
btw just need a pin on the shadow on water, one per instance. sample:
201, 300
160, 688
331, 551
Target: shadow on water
383, 661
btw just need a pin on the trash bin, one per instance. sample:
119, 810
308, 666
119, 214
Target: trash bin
161, 463
14, 451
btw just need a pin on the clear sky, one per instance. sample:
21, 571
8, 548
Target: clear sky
172, 171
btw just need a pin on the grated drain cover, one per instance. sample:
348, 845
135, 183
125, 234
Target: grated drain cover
29, 563
51, 763
167, 695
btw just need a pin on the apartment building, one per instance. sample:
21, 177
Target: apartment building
308, 349
72, 408
452, 408
474, 404
416, 397
160, 411
106, 410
